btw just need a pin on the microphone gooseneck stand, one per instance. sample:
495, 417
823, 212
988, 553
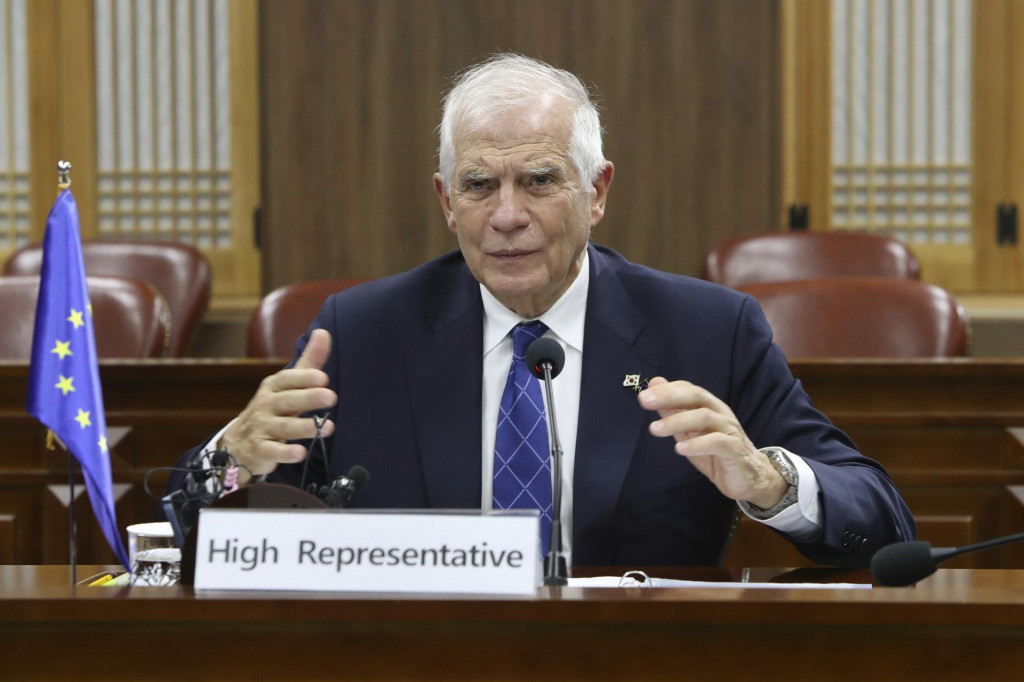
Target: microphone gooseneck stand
545, 358
556, 571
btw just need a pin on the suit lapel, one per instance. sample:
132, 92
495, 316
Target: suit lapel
445, 375
611, 421
445, 367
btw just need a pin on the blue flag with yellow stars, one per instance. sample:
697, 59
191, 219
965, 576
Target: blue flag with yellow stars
64, 380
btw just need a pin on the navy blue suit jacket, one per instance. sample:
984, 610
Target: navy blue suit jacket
407, 364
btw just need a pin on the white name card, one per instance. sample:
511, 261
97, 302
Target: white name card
369, 551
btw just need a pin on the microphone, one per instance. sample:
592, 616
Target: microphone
202, 487
202, 468
339, 493
544, 358
904, 563
545, 351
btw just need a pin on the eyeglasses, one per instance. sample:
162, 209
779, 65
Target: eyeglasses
635, 579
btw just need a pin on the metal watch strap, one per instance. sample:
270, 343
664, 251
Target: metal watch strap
779, 460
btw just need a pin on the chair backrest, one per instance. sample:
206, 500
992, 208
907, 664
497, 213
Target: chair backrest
752, 259
869, 317
285, 313
129, 317
179, 272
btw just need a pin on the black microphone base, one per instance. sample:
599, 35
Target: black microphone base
556, 574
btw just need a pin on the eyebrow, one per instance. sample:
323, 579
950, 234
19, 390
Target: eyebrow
545, 170
481, 176
473, 176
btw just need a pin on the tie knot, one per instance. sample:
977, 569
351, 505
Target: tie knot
525, 333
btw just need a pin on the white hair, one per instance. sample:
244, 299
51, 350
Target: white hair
506, 82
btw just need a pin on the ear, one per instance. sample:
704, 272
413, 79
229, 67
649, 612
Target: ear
600, 197
445, 200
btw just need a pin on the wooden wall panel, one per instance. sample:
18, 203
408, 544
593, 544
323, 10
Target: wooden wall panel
350, 93
155, 412
20, 523
8, 527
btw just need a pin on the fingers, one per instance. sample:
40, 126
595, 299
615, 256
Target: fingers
685, 424
272, 446
713, 444
260, 444
663, 396
293, 428
702, 424
299, 400
703, 433
710, 436
257, 438
271, 453
306, 372
295, 378
302, 388
685, 408
317, 350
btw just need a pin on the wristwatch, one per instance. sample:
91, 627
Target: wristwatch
779, 460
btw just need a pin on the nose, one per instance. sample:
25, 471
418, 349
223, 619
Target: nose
510, 213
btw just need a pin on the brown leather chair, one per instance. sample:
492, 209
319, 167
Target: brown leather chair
179, 272
752, 259
285, 314
130, 318
869, 317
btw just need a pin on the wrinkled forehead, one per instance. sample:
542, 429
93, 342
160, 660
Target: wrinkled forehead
547, 118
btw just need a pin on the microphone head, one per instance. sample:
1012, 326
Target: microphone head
359, 475
545, 350
219, 459
903, 563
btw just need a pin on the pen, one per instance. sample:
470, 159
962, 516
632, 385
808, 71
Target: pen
99, 581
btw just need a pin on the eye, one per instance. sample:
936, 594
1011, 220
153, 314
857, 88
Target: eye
474, 184
541, 180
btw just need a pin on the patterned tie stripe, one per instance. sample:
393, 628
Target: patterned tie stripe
522, 460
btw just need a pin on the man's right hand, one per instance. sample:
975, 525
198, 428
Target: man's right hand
257, 437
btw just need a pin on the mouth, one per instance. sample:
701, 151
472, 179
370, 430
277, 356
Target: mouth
511, 254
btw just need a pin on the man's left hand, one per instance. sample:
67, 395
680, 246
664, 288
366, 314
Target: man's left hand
709, 434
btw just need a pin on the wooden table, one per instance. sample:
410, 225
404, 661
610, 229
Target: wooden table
962, 624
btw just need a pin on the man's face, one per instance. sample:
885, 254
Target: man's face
518, 207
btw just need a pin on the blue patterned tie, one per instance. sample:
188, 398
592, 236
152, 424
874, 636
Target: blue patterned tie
522, 461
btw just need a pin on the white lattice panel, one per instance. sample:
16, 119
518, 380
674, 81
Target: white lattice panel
901, 128
14, 126
163, 120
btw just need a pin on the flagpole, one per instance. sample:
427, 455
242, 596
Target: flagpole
73, 531
63, 183
64, 378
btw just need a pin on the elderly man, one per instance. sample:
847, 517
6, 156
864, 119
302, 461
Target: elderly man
421, 373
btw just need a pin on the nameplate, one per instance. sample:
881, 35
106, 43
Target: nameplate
369, 551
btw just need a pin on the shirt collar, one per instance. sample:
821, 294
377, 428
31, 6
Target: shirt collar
565, 318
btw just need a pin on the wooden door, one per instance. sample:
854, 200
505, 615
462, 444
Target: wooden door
155, 105
899, 122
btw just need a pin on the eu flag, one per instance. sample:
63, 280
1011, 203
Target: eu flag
64, 380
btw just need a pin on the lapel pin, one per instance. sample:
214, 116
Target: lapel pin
635, 382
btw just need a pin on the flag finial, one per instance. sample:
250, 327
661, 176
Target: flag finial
64, 174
